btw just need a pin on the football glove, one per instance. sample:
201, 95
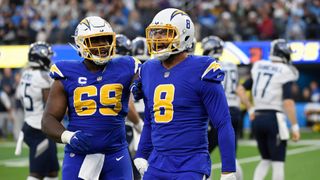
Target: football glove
229, 176
79, 141
136, 89
141, 164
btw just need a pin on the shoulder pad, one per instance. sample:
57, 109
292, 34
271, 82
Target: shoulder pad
290, 73
213, 72
137, 64
56, 72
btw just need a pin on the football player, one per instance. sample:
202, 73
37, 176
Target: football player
33, 90
180, 91
95, 92
213, 46
134, 123
271, 90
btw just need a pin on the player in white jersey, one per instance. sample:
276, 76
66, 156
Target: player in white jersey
33, 90
271, 90
213, 46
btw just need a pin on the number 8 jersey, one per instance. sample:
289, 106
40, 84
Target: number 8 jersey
98, 101
268, 81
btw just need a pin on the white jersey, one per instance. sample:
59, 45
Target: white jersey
230, 83
268, 80
30, 91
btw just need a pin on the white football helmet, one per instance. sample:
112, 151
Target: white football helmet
170, 32
95, 40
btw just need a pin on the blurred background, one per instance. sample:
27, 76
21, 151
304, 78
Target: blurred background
247, 26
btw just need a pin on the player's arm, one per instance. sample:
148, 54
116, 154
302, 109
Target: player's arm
134, 117
290, 109
215, 102
45, 95
54, 112
241, 92
145, 146
214, 99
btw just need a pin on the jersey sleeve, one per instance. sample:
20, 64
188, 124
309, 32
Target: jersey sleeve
212, 72
213, 97
145, 144
56, 71
43, 80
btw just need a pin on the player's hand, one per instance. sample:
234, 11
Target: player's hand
251, 114
79, 141
136, 89
141, 164
228, 176
139, 126
295, 133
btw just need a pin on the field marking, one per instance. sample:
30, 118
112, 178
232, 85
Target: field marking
258, 158
24, 162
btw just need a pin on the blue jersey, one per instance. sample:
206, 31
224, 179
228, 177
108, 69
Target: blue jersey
98, 101
178, 103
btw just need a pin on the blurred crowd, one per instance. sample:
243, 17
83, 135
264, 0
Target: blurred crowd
54, 21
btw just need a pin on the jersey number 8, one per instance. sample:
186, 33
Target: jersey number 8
163, 107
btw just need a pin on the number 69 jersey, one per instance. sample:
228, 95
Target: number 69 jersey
268, 80
98, 101
30, 91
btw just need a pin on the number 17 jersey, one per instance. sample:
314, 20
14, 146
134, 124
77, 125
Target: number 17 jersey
268, 80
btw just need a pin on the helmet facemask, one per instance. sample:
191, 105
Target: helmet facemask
99, 47
162, 40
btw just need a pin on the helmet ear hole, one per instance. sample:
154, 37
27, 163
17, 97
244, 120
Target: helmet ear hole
186, 38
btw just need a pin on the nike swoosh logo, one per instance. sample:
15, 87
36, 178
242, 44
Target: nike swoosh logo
119, 158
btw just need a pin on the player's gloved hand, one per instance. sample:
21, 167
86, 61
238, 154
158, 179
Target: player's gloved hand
228, 176
136, 89
141, 164
139, 126
78, 140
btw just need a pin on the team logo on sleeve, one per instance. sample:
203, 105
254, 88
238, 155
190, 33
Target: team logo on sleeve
176, 12
213, 66
55, 69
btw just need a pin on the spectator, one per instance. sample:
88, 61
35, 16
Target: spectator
315, 91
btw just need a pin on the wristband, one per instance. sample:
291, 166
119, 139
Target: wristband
295, 128
66, 136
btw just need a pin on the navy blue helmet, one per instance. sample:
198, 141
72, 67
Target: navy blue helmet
123, 45
280, 51
40, 54
140, 49
212, 46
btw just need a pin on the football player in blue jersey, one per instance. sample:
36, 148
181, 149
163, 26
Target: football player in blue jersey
271, 83
180, 92
213, 46
95, 93
33, 90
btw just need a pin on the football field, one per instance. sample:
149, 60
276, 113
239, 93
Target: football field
302, 163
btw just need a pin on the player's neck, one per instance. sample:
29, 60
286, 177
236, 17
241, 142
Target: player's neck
92, 67
174, 60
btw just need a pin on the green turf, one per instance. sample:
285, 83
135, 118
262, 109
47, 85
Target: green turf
298, 167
